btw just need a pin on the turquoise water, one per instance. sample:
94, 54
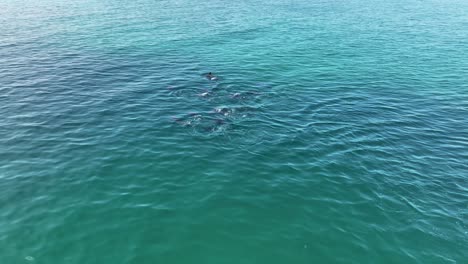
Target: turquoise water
337, 131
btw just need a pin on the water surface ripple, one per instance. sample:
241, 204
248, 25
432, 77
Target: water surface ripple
336, 131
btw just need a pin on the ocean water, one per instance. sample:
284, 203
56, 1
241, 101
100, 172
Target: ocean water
336, 131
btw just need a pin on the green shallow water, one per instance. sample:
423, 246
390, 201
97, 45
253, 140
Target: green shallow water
337, 131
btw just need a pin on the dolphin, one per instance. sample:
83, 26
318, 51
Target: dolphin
210, 76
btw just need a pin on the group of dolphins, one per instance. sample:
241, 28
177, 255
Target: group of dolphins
219, 120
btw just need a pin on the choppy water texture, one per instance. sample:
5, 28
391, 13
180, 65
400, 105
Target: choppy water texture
336, 132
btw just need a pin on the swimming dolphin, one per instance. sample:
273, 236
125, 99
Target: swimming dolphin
211, 77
